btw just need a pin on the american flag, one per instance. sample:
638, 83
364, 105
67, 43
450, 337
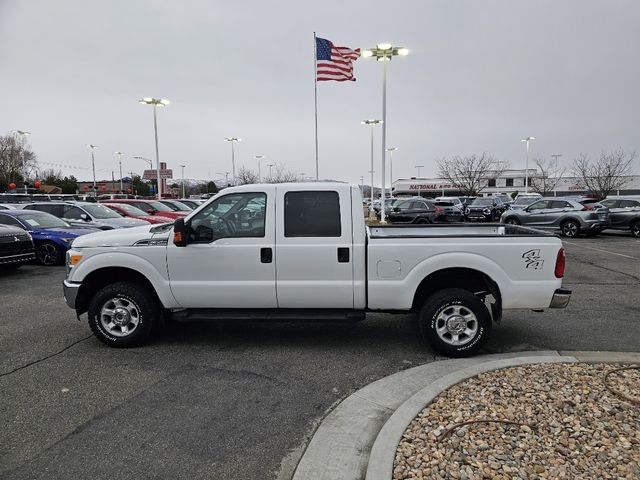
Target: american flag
334, 63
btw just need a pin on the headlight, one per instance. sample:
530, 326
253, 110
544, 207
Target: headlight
486, 211
467, 211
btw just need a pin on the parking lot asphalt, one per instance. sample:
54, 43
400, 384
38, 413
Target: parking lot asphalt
229, 401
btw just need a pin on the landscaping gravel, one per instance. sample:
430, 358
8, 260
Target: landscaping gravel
566, 423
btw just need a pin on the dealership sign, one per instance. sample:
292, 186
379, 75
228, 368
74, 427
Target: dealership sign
153, 174
429, 186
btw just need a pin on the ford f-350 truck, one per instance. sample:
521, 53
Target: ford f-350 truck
301, 251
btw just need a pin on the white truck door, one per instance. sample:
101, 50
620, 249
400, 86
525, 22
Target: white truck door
229, 259
314, 251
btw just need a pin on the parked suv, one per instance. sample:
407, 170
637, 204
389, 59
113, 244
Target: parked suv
414, 211
485, 209
624, 213
85, 214
569, 216
454, 200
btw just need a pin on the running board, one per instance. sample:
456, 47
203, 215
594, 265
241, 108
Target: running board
269, 315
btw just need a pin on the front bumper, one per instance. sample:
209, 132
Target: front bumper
19, 258
560, 298
70, 291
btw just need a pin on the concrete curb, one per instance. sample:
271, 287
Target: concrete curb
384, 448
362, 433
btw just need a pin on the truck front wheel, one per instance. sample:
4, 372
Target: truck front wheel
454, 322
122, 314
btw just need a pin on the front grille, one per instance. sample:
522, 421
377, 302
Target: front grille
15, 245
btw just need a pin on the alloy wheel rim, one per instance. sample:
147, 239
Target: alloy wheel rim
47, 254
570, 229
456, 325
119, 316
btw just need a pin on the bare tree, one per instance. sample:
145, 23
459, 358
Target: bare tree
610, 172
549, 177
246, 176
16, 159
470, 174
280, 174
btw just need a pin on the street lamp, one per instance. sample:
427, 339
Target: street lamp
156, 102
384, 52
270, 165
391, 150
258, 158
233, 140
418, 167
23, 134
120, 165
182, 167
149, 161
372, 123
555, 185
93, 166
526, 167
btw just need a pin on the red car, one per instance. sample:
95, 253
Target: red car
152, 207
130, 211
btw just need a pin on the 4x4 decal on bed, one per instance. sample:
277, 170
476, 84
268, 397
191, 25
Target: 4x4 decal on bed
532, 259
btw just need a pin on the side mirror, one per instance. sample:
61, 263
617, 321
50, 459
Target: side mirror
396, 209
180, 233
85, 217
151, 211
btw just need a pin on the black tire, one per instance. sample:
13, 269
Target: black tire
511, 221
142, 306
635, 229
454, 302
570, 229
48, 254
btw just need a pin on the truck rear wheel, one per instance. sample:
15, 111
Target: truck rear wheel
122, 314
454, 322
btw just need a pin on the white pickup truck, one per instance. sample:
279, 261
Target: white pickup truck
301, 251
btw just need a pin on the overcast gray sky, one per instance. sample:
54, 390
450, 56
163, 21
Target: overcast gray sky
480, 76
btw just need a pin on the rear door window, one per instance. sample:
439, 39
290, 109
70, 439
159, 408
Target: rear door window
312, 214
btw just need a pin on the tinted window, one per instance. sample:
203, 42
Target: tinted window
483, 202
41, 220
7, 220
72, 213
629, 203
560, 204
312, 214
539, 205
610, 203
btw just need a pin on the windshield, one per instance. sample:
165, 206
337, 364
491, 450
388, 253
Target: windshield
177, 206
100, 211
131, 210
525, 200
482, 202
160, 207
42, 220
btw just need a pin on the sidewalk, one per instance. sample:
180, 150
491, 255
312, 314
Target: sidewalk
359, 438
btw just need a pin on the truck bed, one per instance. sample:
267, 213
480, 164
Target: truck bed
453, 230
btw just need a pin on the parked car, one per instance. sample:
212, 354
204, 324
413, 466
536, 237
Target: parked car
569, 216
466, 201
16, 247
624, 213
86, 214
453, 200
190, 202
130, 211
389, 203
221, 262
485, 209
524, 200
504, 198
449, 210
152, 207
417, 211
176, 205
51, 235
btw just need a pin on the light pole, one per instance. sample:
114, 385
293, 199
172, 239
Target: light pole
258, 158
23, 134
182, 167
362, 185
555, 185
418, 167
233, 140
93, 166
302, 174
120, 165
156, 102
391, 150
372, 123
270, 165
526, 167
384, 52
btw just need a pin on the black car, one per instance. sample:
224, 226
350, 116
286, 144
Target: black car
417, 211
16, 247
624, 213
485, 209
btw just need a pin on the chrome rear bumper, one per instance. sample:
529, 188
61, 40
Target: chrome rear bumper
560, 298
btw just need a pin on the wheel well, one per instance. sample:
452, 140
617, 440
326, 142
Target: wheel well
465, 278
106, 276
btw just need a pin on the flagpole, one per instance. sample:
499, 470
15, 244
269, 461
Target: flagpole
315, 85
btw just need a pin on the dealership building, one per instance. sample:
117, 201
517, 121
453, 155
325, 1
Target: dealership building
507, 182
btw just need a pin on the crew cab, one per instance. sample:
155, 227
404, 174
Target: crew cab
302, 252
